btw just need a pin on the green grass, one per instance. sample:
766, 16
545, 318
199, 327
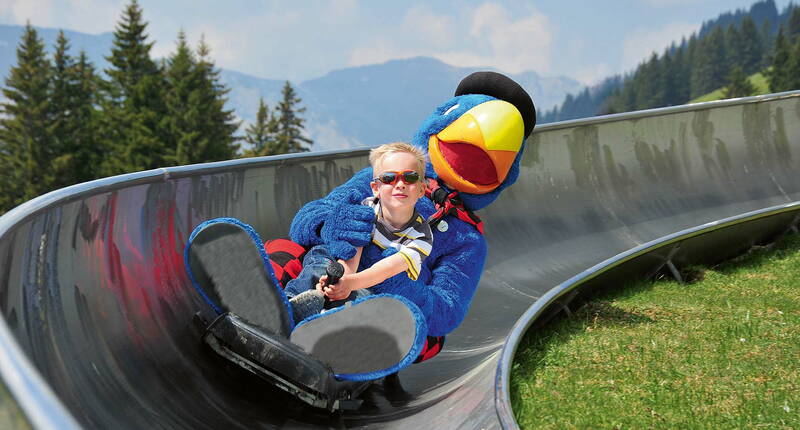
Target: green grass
758, 80
722, 352
11, 416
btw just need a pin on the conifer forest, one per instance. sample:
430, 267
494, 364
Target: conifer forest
64, 122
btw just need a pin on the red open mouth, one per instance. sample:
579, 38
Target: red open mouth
469, 162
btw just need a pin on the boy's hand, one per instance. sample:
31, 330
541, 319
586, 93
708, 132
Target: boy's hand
322, 283
338, 291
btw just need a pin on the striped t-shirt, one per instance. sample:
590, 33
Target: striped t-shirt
413, 241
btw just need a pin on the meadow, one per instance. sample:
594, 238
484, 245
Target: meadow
721, 351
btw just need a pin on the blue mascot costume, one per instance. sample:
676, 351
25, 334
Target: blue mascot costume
475, 142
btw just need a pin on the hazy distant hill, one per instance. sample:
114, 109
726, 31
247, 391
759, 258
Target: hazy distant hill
96, 46
355, 106
377, 103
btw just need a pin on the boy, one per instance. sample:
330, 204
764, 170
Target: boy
398, 183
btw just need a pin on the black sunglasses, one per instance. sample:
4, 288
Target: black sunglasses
390, 178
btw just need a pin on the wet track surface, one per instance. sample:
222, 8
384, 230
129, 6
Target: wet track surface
93, 287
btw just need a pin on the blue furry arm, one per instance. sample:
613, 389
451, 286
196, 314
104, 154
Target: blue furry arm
455, 279
338, 220
445, 298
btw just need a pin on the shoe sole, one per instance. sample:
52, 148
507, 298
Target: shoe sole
228, 267
366, 339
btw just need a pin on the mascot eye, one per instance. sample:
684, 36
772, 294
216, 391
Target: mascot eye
452, 108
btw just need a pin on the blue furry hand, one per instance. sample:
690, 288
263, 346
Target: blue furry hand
346, 227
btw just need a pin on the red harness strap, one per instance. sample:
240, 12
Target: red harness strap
433, 346
286, 258
449, 204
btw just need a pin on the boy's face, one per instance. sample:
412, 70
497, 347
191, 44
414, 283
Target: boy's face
400, 196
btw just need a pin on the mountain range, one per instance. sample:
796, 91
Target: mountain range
350, 107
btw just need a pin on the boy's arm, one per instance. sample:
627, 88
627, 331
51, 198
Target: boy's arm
351, 265
374, 275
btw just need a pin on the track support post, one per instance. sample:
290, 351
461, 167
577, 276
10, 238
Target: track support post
667, 261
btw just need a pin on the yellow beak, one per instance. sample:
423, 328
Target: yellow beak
476, 151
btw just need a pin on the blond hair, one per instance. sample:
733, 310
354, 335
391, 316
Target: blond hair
376, 154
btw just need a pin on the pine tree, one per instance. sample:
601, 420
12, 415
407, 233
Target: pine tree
182, 81
88, 150
217, 125
261, 134
622, 99
692, 65
738, 85
681, 75
25, 125
793, 69
793, 25
74, 142
649, 84
135, 117
63, 126
289, 136
662, 67
733, 47
766, 44
718, 66
709, 65
667, 66
778, 74
750, 53
198, 122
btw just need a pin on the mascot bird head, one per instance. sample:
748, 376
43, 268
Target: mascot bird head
475, 140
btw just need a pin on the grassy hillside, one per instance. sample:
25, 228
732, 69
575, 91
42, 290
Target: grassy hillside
717, 353
758, 80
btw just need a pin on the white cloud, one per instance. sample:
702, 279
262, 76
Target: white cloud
233, 45
379, 51
90, 16
326, 135
38, 12
593, 74
642, 42
342, 9
669, 2
495, 38
227, 47
94, 16
274, 40
516, 45
420, 24
436, 30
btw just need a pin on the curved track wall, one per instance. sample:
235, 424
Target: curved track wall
93, 290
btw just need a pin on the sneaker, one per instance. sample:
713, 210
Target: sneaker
307, 303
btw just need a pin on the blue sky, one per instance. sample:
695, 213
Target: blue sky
585, 40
